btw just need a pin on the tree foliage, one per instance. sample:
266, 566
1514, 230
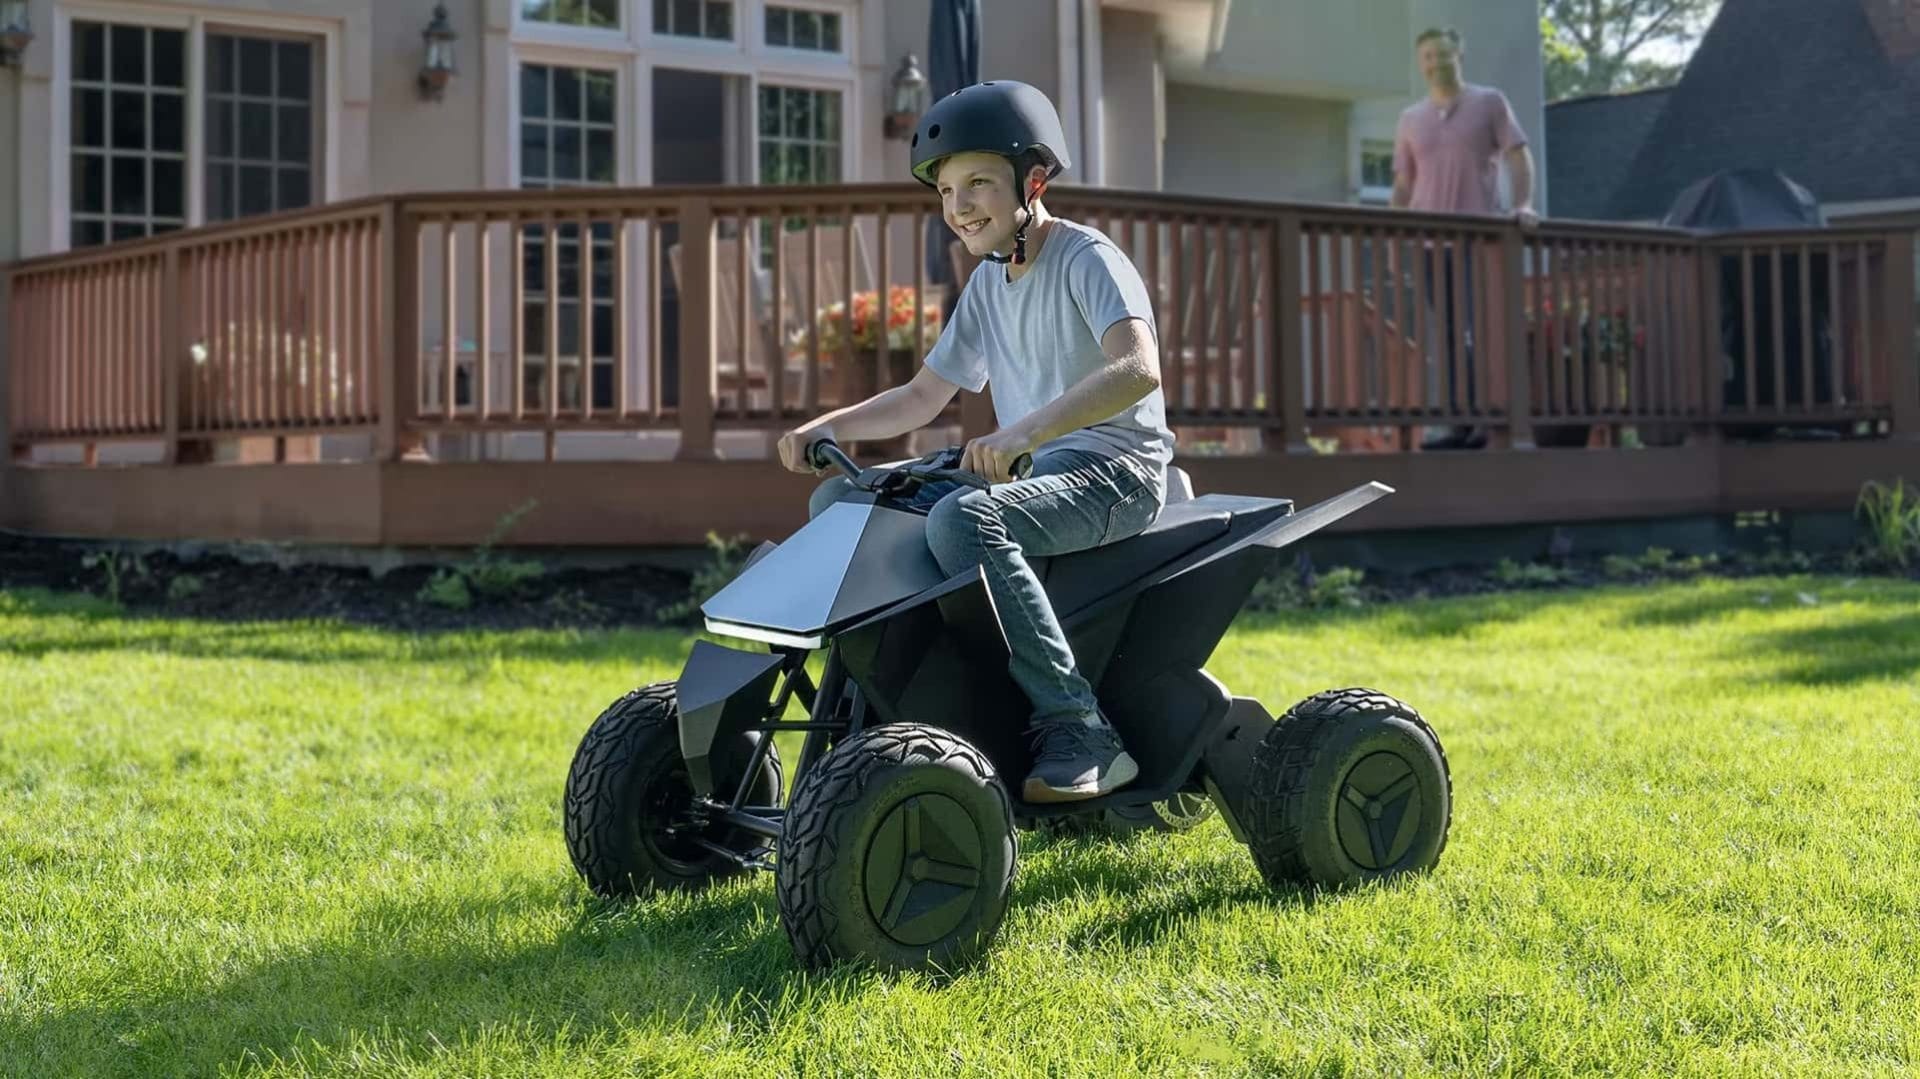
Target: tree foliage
1606, 46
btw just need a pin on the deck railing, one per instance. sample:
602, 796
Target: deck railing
704, 310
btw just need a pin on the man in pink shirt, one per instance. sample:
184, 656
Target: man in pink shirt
1445, 161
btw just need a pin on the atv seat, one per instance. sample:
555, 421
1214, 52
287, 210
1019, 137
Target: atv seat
1075, 580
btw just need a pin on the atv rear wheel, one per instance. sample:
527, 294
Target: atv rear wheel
1349, 786
1179, 813
898, 851
630, 820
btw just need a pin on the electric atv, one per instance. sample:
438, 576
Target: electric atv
897, 845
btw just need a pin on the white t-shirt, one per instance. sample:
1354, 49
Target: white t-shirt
1034, 338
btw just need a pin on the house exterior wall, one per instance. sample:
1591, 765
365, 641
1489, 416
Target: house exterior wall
1255, 146
1133, 105
1349, 67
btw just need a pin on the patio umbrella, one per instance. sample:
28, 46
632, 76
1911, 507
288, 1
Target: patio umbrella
953, 61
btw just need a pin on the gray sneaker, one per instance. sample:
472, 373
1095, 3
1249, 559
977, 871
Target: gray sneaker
1073, 761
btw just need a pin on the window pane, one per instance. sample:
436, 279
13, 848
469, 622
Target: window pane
296, 70
826, 117
533, 152
602, 338
566, 93
256, 190
795, 121
296, 134
536, 10
128, 54
128, 230
129, 186
600, 97
662, 17
830, 32
219, 192
826, 166
90, 51
89, 118
534, 338
170, 58
566, 153
89, 183
600, 166
769, 110
569, 323
533, 262
777, 26
256, 67
533, 90
719, 20
294, 189
220, 128
603, 12
219, 64
169, 123
806, 29
129, 120
256, 130
169, 188
88, 233
686, 17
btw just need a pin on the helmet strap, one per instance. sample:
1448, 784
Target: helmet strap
1020, 234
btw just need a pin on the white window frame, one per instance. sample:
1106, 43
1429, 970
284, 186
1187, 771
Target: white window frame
636, 52
195, 22
1370, 195
826, 7
563, 31
618, 63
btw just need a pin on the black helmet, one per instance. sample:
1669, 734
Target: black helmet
999, 117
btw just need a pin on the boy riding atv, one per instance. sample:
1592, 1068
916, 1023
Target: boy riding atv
1058, 322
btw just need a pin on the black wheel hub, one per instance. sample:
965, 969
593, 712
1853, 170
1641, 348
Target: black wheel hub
923, 869
1378, 816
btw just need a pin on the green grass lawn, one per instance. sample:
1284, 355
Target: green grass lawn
1686, 840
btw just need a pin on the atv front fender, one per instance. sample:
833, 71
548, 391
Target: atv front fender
722, 691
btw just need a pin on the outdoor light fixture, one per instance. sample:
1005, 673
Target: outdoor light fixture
906, 98
15, 33
438, 70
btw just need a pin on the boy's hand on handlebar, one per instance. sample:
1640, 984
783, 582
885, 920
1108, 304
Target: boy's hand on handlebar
793, 450
992, 456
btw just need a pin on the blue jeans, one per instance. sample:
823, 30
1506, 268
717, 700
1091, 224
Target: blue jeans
1073, 501
1440, 294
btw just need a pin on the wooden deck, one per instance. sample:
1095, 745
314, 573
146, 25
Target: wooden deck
404, 370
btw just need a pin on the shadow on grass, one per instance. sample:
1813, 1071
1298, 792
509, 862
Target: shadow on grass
437, 972
79, 624
643, 963
1880, 649
1156, 904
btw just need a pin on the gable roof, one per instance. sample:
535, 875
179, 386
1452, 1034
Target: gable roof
1591, 143
1828, 93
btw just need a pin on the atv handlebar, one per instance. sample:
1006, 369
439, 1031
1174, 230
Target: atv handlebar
825, 453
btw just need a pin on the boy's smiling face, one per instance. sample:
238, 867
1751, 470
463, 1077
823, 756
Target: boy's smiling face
979, 202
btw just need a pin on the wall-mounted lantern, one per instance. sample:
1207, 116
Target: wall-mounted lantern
438, 69
15, 32
906, 98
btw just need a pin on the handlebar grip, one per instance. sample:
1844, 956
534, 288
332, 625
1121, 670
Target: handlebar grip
825, 452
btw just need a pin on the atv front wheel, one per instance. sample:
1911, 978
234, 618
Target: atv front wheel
1349, 786
631, 824
898, 850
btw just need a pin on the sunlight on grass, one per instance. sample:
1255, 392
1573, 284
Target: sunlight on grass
1684, 834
